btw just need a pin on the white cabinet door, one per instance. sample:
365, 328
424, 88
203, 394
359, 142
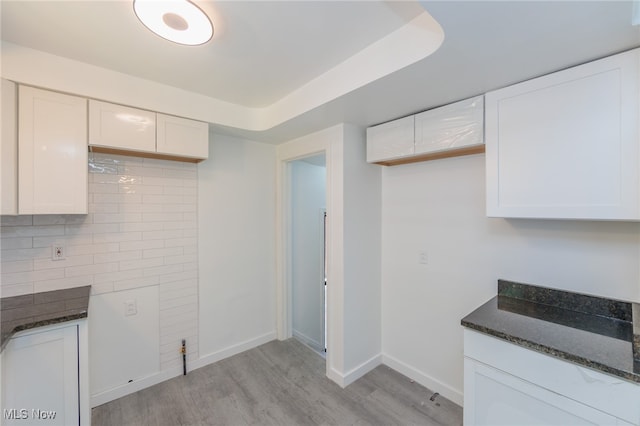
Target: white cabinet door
121, 127
182, 137
52, 153
566, 145
391, 140
9, 149
493, 397
40, 378
452, 126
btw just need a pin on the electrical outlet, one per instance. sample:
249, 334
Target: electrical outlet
422, 258
130, 307
57, 252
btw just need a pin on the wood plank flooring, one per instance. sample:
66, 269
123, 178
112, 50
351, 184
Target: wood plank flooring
279, 383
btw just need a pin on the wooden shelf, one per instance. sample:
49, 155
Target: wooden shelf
478, 149
103, 150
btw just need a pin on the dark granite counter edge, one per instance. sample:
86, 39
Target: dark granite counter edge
29, 311
41, 323
553, 352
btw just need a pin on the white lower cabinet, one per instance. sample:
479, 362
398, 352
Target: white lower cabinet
45, 377
505, 384
497, 398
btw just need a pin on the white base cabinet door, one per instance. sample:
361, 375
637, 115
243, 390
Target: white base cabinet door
566, 145
507, 384
52, 153
40, 378
500, 399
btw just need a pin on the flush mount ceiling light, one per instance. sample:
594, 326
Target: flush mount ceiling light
179, 21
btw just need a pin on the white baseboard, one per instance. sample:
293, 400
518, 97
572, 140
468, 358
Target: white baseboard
233, 350
314, 344
111, 394
344, 380
135, 386
425, 380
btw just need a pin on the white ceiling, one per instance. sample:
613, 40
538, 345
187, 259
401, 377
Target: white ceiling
263, 51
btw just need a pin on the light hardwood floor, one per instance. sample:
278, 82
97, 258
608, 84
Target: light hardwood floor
279, 383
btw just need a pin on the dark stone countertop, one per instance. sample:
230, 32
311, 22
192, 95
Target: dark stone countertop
591, 331
28, 311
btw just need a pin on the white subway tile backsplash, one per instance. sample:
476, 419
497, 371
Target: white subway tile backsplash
74, 271
117, 276
30, 276
117, 236
59, 284
16, 243
167, 234
17, 266
31, 231
141, 231
25, 254
163, 270
135, 283
16, 221
16, 290
171, 251
67, 240
86, 259
117, 256
141, 264
117, 217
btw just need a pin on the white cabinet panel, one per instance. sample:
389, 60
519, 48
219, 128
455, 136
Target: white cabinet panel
452, 126
504, 382
497, 398
40, 378
182, 137
566, 145
121, 127
9, 149
113, 368
52, 153
391, 140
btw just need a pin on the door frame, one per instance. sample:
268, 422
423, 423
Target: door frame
329, 141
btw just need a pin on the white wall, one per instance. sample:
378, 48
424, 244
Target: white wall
236, 229
362, 253
439, 207
308, 201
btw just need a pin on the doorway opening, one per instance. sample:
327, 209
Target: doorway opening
307, 259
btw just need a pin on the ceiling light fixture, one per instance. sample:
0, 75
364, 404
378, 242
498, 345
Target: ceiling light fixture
179, 21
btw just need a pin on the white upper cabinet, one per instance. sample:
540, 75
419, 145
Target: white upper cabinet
565, 145
452, 126
130, 131
121, 127
391, 140
9, 149
52, 152
447, 131
182, 137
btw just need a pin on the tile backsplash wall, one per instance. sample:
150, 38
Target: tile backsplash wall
141, 231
